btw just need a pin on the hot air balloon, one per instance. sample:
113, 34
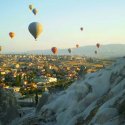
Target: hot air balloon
30, 7
69, 50
35, 29
81, 28
95, 52
54, 50
35, 11
97, 45
77, 45
11, 34
0, 48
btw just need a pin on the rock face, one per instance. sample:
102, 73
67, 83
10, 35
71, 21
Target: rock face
8, 107
99, 99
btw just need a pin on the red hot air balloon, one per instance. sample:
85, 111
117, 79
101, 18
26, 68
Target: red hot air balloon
77, 45
54, 50
98, 45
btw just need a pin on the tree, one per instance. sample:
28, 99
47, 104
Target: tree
18, 80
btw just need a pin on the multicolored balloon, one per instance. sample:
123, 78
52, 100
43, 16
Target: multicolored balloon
35, 29
35, 11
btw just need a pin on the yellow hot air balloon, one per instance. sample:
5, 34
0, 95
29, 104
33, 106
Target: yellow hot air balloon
35, 28
31, 7
35, 11
11, 34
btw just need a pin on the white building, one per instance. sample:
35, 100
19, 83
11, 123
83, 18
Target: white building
51, 79
43, 80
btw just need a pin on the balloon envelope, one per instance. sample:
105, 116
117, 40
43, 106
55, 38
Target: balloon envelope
81, 28
11, 34
97, 45
35, 29
69, 50
0, 48
77, 45
95, 52
35, 11
54, 50
30, 7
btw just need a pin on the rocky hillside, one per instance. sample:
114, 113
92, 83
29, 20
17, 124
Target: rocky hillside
8, 107
98, 99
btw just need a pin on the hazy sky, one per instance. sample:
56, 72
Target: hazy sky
103, 21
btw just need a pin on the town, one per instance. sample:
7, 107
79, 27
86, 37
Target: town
26, 74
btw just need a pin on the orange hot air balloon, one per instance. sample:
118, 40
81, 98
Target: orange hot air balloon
54, 50
11, 34
77, 45
95, 52
97, 45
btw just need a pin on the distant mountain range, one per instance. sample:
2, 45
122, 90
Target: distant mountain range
105, 51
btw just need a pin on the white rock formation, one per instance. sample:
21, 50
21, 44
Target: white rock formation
99, 99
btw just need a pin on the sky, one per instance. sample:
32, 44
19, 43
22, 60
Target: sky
103, 21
